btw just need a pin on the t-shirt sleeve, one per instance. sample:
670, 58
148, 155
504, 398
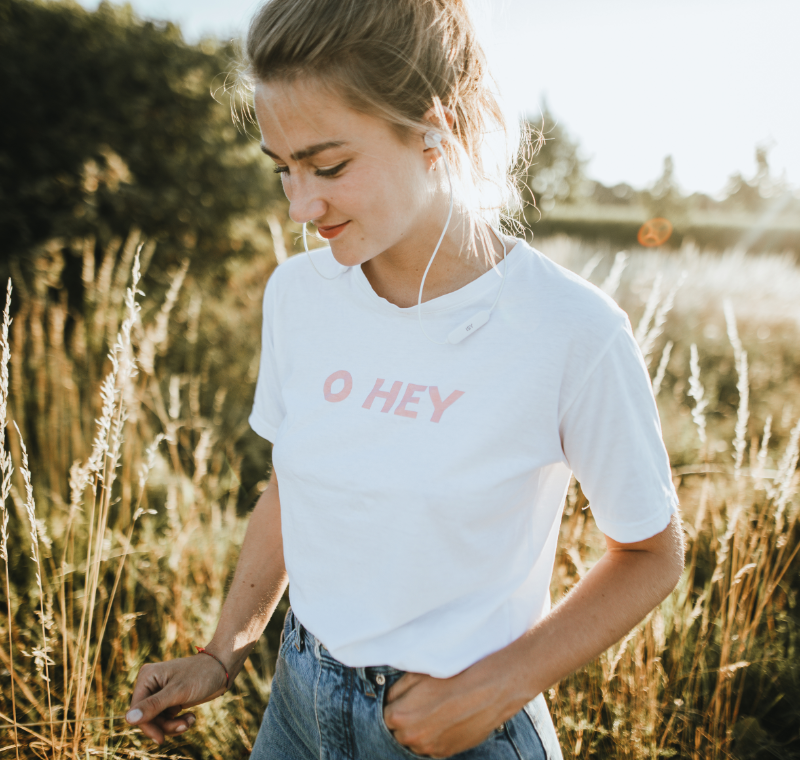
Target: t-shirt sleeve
611, 438
268, 408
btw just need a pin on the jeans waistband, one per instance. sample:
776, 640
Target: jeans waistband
367, 674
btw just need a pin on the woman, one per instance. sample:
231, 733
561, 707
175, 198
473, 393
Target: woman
428, 384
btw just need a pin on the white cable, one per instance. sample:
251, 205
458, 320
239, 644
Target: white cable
433, 140
305, 245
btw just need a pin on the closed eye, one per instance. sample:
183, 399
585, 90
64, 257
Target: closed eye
319, 172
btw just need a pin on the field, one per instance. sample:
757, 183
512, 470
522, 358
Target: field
122, 519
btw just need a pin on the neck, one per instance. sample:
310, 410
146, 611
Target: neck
396, 273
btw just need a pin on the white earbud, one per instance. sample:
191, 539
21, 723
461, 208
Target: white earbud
433, 139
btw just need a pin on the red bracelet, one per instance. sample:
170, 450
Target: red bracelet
201, 650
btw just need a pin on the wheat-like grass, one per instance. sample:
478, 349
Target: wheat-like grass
6, 469
649, 310
41, 655
611, 283
660, 318
697, 392
662, 367
673, 687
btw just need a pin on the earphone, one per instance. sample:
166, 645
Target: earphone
433, 139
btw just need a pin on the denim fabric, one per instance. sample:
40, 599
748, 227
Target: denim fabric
320, 709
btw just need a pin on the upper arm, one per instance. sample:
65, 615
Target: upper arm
611, 438
666, 545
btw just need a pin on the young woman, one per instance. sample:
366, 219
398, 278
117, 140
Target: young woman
429, 384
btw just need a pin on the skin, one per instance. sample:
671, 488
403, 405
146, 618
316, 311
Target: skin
395, 197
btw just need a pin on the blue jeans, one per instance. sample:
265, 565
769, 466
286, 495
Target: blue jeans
320, 709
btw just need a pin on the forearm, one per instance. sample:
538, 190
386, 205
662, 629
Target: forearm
615, 595
258, 584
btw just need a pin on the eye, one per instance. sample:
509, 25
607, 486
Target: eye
331, 172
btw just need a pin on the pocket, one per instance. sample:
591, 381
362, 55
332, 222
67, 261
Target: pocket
497, 746
385, 729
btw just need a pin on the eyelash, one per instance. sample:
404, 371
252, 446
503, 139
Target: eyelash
319, 172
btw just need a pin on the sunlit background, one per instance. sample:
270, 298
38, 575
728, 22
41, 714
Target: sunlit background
705, 81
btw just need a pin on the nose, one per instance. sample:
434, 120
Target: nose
306, 201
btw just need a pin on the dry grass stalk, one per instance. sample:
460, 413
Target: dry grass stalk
6, 468
697, 392
758, 476
591, 265
115, 395
611, 283
660, 318
278, 244
156, 335
742, 385
41, 655
662, 368
649, 310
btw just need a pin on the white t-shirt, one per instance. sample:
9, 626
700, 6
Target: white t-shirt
422, 485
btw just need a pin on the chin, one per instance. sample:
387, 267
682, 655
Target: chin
346, 257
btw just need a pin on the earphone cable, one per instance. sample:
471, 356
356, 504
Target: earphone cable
433, 140
305, 245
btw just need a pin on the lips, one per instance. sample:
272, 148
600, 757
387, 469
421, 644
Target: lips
331, 231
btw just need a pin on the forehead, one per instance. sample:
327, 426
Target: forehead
297, 114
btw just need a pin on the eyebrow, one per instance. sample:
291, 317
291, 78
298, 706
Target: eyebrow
306, 152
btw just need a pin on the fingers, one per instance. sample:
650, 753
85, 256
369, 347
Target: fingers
166, 724
402, 685
154, 705
171, 726
148, 709
163, 689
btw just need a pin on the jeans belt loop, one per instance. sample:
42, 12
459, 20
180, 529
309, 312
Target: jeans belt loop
298, 640
369, 688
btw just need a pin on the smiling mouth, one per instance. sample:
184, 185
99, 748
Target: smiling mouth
331, 232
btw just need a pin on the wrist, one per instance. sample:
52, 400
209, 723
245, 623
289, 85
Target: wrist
231, 654
515, 675
223, 666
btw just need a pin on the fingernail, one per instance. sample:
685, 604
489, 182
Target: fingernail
181, 728
190, 720
134, 715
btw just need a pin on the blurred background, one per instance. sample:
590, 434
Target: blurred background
139, 223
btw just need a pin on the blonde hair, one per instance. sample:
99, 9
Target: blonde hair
395, 59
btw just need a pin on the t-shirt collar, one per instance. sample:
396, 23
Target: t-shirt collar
487, 282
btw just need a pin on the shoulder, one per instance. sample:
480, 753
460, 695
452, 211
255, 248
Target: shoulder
297, 274
298, 268
564, 302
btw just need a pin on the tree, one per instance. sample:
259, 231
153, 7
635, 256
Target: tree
664, 199
109, 123
762, 190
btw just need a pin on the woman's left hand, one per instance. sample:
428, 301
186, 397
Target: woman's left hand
440, 717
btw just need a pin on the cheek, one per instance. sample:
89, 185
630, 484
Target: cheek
393, 195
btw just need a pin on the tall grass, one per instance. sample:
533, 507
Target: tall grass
121, 532
131, 469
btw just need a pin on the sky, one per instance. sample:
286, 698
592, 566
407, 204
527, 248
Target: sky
631, 80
